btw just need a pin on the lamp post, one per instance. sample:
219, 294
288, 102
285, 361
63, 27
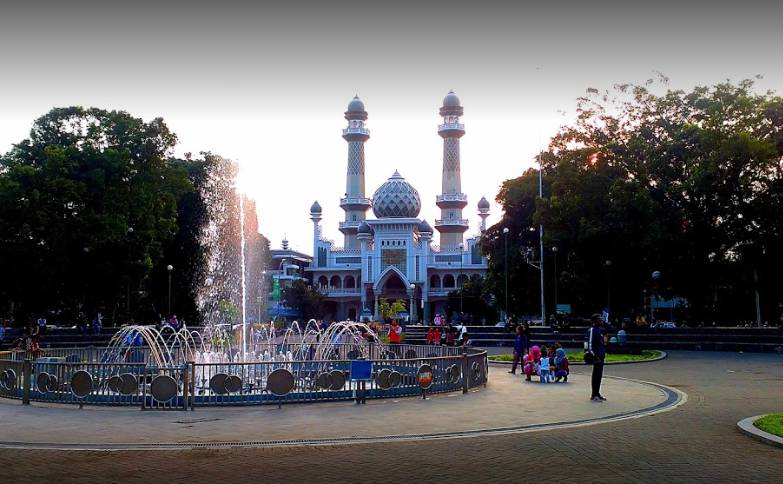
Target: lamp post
608, 265
127, 282
462, 287
412, 303
554, 251
262, 297
505, 265
169, 268
656, 276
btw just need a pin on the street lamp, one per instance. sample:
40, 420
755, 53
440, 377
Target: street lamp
608, 265
505, 265
413, 303
462, 286
554, 251
262, 296
128, 275
656, 276
169, 268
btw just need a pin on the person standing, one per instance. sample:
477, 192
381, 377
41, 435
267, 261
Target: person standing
596, 344
520, 345
395, 333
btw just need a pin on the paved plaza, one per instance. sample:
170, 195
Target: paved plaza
694, 442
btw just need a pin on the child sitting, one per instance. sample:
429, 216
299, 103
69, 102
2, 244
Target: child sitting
531, 362
561, 365
544, 371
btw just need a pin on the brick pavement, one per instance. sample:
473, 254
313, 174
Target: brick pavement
697, 442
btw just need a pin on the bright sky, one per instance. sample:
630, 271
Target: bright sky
267, 86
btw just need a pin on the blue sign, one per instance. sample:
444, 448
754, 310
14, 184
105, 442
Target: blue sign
361, 370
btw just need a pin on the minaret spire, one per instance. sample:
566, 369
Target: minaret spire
355, 202
451, 201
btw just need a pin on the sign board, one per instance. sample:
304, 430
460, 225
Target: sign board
564, 308
361, 370
424, 376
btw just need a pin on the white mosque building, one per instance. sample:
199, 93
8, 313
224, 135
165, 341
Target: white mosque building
393, 255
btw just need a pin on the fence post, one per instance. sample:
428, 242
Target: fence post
185, 385
465, 375
27, 367
144, 387
192, 384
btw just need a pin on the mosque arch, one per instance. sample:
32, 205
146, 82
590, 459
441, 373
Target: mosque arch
336, 282
349, 282
435, 281
323, 282
448, 281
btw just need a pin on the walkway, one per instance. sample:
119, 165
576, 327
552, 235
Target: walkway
697, 442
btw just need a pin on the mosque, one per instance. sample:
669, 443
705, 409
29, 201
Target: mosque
393, 255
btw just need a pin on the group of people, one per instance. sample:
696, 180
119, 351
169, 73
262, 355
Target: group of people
450, 336
551, 363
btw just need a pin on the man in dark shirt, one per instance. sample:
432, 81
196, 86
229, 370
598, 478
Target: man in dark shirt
596, 343
520, 345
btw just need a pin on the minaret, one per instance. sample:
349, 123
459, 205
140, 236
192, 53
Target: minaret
451, 201
483, 212
355, 203
315, 216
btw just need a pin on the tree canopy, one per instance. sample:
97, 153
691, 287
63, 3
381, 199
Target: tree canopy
686, 183
94, 207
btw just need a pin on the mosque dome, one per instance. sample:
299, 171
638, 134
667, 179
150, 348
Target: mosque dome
483, 204
451, 100
364, 228
396, 199
425, 227
356, 105
315, 207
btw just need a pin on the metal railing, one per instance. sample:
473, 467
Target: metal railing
182, 385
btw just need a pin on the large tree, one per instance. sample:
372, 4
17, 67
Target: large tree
685, 183
87, 203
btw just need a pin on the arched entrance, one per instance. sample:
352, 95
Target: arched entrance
392, 286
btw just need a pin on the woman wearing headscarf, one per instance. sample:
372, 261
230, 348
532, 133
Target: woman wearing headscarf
531, 362
561, 365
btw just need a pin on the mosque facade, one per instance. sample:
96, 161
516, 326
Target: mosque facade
393, 256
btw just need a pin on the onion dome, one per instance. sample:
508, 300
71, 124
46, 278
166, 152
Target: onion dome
356, 105
315, 207
424, 227
483, 204
396, 199
364, 228
356, 109
451, 100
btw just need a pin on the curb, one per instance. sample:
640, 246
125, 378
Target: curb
582, 363
674, 399
746, 426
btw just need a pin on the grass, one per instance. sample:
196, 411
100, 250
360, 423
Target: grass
578, 356
772, 424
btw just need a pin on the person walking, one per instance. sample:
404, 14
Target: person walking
520, 345
596, 344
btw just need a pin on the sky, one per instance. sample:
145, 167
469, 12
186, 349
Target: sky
266, 84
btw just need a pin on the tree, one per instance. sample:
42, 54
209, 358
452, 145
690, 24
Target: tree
303, 298
475, 301
688, 184
86, 204
391, 310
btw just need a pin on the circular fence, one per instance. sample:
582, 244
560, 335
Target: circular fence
79, 376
